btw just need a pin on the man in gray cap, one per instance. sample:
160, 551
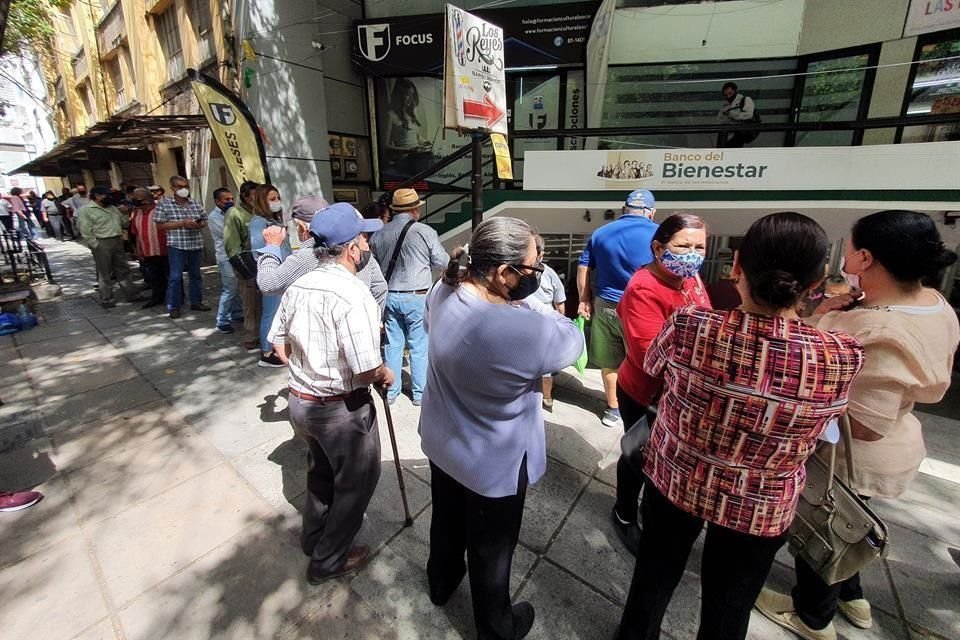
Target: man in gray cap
274, 274
327, 330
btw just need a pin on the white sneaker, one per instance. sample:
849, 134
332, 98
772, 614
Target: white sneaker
857, 612
779, 608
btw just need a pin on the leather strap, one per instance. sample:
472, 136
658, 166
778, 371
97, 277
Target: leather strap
396, 252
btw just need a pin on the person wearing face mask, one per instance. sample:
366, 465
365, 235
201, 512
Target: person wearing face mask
102, 227
267, 212
182, 218
327, 330
151, 246
654, 292
909, 334
230, 305
746, 394
236, 244
274, 274
74, 203
481, 424
52, 214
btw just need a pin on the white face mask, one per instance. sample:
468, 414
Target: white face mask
183, 193
852, 279
276, 206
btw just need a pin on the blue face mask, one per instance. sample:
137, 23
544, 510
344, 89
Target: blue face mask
226, 206
682, 265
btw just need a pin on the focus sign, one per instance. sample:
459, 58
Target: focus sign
474, 89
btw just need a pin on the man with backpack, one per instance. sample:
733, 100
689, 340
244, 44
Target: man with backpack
737, 109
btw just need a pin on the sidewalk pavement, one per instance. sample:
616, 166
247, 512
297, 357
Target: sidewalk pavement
173, 487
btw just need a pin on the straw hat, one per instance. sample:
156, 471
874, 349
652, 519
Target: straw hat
406, 200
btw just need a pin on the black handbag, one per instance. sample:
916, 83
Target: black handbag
245, 265
635, 439
834, 531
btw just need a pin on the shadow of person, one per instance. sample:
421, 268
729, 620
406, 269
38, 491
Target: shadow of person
291, 457
268, 410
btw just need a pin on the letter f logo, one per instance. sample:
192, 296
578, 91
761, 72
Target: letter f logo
374, 41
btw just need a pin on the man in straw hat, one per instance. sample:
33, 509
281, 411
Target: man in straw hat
328, 331
407, 250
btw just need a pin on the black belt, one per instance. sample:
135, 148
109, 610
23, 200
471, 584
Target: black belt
418, 292
356, 394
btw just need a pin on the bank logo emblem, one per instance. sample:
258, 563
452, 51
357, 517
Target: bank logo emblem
374, 40
223, 113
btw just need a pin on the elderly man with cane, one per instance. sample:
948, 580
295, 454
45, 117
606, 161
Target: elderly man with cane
328, 331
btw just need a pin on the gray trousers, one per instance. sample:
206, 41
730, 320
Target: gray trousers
342, 474
56, 224
110, 259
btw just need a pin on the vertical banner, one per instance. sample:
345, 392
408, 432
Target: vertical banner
475, 88
234, 128
501, 151
598, 52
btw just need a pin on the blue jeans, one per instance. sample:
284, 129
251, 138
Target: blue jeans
404, 325
230, 304
180, 260
270, 306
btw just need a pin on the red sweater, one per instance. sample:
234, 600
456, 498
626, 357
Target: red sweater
646, 304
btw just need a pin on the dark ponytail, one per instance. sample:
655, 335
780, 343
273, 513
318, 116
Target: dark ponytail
906, 243
782, 256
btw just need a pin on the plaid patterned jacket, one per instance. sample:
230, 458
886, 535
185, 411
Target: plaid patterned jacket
745, 398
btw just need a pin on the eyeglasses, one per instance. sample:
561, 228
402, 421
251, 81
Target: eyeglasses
537, 268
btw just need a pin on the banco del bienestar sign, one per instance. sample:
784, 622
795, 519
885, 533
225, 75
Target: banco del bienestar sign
931, 165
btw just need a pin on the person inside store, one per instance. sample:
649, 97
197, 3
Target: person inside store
737, 109
481, 424
654, 292
746, 394
909, 333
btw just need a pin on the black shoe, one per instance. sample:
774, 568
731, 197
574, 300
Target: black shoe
109, 304
523, 615
270, 361
225, 328
151, 304
628, 532
440, 593
200, 307
175, 313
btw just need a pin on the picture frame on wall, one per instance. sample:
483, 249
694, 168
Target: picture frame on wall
335, 169
336, 145
346, 195
350, 168
348, 147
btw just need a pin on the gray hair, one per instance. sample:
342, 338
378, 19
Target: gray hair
323, 253
178, 178
540, 244
497, 241
143, 194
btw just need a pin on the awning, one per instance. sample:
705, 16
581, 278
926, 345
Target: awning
118, 139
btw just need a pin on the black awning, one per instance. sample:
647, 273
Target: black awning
118, 139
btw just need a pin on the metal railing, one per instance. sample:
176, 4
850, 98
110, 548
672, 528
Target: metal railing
23, 260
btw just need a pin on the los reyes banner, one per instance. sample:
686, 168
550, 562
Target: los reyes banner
929, 165
475, 87
234, 128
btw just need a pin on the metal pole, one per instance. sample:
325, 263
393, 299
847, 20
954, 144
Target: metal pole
476, 178
407, 518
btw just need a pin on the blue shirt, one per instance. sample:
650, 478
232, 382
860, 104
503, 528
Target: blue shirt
481, 404
616, 250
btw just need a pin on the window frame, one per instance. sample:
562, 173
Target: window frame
923, 40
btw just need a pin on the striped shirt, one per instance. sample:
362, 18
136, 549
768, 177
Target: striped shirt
274, 274
169, 210
150, 240
745, 398
332, 325
421, 250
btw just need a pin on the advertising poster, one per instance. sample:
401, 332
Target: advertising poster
412, 137
475, 86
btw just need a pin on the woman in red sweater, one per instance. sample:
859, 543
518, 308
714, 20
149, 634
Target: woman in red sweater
654, 292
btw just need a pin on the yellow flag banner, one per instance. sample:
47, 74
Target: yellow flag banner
234, 128
501, 150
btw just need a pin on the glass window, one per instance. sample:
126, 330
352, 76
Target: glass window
833, 90
688, 93
536, 105
168, 32
935, 90
116, 77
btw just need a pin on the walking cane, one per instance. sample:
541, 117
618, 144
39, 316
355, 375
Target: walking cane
396, 457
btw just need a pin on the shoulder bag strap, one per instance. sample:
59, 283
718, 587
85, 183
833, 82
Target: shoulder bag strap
396, 253
848, 448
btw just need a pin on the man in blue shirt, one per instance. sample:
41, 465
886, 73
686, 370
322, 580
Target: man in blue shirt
614, 252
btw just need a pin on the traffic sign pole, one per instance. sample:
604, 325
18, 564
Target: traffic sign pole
476, 177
